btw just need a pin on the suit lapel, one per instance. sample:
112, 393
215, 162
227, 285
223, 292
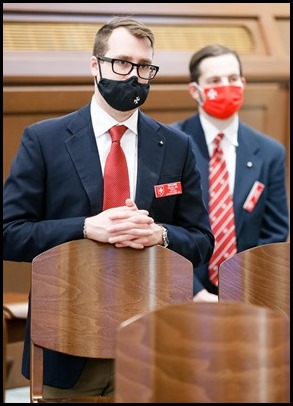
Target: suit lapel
151, 150
248, 164
82, 148
82, 143
195, 130
248, 170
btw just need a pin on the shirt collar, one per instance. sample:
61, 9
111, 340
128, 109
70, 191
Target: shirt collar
230, 131
102, 121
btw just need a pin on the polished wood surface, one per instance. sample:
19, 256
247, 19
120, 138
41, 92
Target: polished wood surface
92, 287
204, 353
82, 290
15, 307
81, 400
259, 275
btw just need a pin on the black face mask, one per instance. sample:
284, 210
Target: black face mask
123, 95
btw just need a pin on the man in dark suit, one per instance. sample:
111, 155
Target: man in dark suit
54, 192
255, 161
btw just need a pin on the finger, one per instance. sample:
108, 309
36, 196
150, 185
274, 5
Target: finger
129, 227
130, 244
131, 222
134, 235
124, 214
130, 203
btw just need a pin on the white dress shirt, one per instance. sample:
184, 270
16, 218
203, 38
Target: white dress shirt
102, 122
228, 143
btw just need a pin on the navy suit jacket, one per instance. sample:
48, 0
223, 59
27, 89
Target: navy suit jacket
56, 181
258, 158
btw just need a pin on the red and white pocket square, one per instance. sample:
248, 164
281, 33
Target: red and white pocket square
253, 196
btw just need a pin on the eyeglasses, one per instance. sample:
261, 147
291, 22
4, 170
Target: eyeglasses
121, 67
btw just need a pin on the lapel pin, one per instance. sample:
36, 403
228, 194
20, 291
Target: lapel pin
249, 164
161, 143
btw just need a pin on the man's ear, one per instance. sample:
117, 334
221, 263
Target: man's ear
194, 92
94, 66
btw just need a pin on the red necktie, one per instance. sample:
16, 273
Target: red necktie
116, 181
220, 211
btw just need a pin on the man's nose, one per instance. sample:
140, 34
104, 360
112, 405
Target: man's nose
134, 71
225, 81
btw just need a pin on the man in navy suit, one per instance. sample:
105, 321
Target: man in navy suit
54, 192
255, 161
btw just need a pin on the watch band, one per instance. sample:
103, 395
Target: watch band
165, 237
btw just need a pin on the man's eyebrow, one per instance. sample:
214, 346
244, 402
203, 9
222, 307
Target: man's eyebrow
129, 59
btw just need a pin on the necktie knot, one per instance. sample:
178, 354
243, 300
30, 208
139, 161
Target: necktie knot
218, 139
117, 132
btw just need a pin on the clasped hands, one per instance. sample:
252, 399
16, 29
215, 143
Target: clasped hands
124, 226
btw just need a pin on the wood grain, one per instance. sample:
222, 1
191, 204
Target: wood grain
89, 288
260, 275
82, 290
204, 353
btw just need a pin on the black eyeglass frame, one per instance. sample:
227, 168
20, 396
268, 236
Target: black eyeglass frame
133, 65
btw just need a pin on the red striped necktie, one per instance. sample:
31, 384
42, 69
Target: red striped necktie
116, 180
220, 211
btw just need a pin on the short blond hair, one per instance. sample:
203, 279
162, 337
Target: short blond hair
135, 27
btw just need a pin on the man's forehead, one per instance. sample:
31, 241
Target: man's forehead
222, 65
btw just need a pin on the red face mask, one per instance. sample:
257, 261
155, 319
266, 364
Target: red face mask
223, 101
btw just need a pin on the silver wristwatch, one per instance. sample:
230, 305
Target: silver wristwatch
165, 237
